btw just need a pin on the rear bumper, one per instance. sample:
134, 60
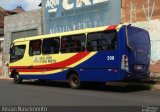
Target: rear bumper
137, 76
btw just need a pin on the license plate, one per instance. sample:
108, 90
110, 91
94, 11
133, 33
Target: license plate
139, 67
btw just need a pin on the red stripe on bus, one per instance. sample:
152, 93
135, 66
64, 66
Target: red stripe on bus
55, 66
113, 27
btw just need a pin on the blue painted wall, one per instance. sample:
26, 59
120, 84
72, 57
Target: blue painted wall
68, 15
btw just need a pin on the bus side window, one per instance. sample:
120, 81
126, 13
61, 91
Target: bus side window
73, 43
51, 46
99, 41
35, 47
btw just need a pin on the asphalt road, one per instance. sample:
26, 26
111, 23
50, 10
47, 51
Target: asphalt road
53, 94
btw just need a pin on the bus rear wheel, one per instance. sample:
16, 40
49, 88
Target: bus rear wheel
17, 79
74, 81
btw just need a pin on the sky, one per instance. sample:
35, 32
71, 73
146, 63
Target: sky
28, 5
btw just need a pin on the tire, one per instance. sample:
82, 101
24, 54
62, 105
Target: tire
99, 84
16, 79
74, 81
41, 81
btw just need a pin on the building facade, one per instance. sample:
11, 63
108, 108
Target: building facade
22, 25
3, 13
67, 15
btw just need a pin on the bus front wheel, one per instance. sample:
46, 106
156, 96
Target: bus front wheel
17, 79
74, 81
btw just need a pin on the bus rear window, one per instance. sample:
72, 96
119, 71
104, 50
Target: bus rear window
99, 41
138, 38
17, 53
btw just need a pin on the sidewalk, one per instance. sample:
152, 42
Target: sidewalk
4, 77
155, 76
153, 83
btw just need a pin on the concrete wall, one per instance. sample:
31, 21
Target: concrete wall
1, 49
20, 22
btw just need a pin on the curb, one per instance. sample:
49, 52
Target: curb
156, 87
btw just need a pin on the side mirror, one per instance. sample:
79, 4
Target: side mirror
12, 50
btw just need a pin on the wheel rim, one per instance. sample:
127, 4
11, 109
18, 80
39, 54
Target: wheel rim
74, 81
17, 79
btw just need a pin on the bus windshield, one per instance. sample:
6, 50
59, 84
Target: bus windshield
138, 38
17, 53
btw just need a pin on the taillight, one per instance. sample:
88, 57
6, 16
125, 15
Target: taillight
125, 61
124, 64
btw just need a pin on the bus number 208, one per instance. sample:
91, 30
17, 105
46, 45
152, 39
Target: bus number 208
110, 58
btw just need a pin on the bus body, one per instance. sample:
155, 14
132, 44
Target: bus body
103, 54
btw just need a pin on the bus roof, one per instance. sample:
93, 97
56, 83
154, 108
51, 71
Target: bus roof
88, 30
